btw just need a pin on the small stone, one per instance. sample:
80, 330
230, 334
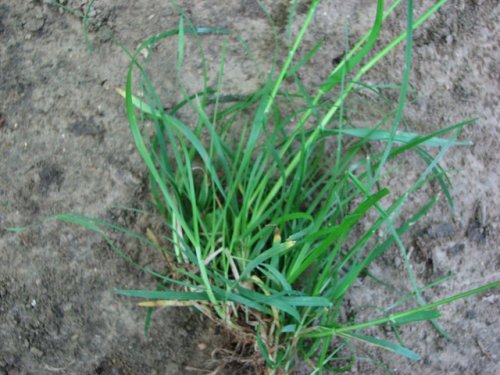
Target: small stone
67, 306
36, 352
35, 24
470, 314
3, 120
494, 298
441, 230
455, 249
477, 233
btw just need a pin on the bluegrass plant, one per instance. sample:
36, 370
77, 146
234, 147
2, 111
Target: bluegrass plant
275, 214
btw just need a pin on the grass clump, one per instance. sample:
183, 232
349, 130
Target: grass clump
273, 214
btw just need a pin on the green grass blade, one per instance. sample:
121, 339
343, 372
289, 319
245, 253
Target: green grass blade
418, 317
164, 295
349, 64
398, 349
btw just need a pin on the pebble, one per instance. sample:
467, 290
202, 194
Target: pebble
441, 230
36, 352
455, 249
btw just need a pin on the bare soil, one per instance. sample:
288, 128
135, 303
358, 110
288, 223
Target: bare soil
65, 147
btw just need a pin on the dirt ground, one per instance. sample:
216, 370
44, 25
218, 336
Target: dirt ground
65, 146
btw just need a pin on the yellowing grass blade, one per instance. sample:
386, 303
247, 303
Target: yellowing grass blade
165, 303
